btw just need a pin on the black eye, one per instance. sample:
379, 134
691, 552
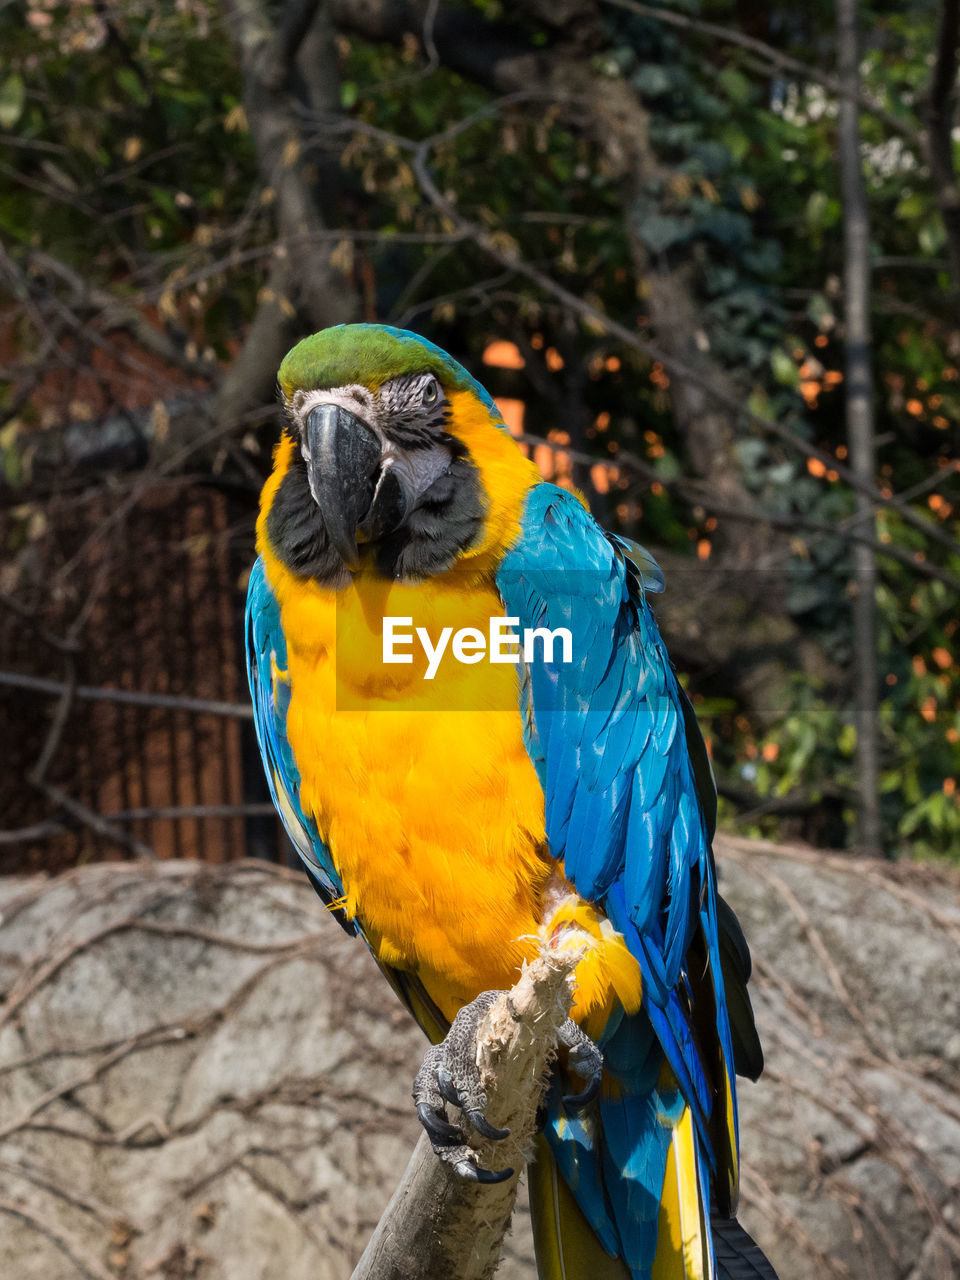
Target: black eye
431, 392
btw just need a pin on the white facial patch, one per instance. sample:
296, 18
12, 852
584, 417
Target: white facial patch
355, 399
417, 469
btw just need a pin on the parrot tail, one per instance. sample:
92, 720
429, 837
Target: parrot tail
568, 1249
566, 1246
738, 1255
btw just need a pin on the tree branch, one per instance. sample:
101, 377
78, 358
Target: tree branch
494, 56
309, 284
95, 821
489, 52
437, 1223
297, 20
615, 328
114, 313
860, 427
773, 59
939, 116
130, 697
484, 51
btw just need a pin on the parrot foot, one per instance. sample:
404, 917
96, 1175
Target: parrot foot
449, 1074
586, 1060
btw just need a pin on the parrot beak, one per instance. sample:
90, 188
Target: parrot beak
359, 494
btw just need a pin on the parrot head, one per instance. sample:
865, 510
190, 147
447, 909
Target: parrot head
394, 460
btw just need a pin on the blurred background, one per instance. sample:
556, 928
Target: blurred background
706, 257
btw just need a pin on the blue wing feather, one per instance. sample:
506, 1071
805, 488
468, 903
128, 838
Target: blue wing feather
270, 692
623, 817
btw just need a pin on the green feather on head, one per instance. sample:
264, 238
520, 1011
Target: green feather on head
370, 355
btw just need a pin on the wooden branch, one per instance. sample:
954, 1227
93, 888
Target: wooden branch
939, 116
773, 59
308, 283
95, 821
296, 21
438, 1224
487, 52
127, 697
861, 430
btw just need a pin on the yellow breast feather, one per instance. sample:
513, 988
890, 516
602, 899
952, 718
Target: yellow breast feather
444, 859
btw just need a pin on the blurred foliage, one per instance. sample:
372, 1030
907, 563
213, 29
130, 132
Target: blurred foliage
126, 129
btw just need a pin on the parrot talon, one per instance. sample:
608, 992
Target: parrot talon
577, 1101
449, 1075
439, 1129
484, 1127
585, 1059
456, 1097
474, 1173
447, 1087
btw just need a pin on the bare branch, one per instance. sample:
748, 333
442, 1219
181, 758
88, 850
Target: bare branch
130, 697
939, 116
860, 427
95, 821
701, 494
437, 1223
606, 324
310, 282
46, 830
297, 19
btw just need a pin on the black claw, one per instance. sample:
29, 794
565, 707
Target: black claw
449, 1075
484, 1127
447, 1087
577, 1101
473, 1173
441, 1132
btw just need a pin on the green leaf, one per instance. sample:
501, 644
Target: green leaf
659, 231
816, 209
932, 236
652, 81
784, 368
736, 85
667, 466
914, 205
820, 311
130, 83
736, 142
750, 452
783, 473
11, 101
713, 156
163, 200
759, 402
730, 229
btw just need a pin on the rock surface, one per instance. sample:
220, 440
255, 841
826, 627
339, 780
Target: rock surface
203, 1078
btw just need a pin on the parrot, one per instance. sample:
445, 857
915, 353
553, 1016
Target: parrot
458, 814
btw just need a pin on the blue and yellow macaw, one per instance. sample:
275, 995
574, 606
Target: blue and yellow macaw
461, 823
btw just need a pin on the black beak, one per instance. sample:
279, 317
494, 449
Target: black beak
359, 498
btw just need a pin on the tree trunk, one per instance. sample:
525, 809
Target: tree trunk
860, 425
939, 117
285, 63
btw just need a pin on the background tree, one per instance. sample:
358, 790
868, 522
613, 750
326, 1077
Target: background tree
630, 215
